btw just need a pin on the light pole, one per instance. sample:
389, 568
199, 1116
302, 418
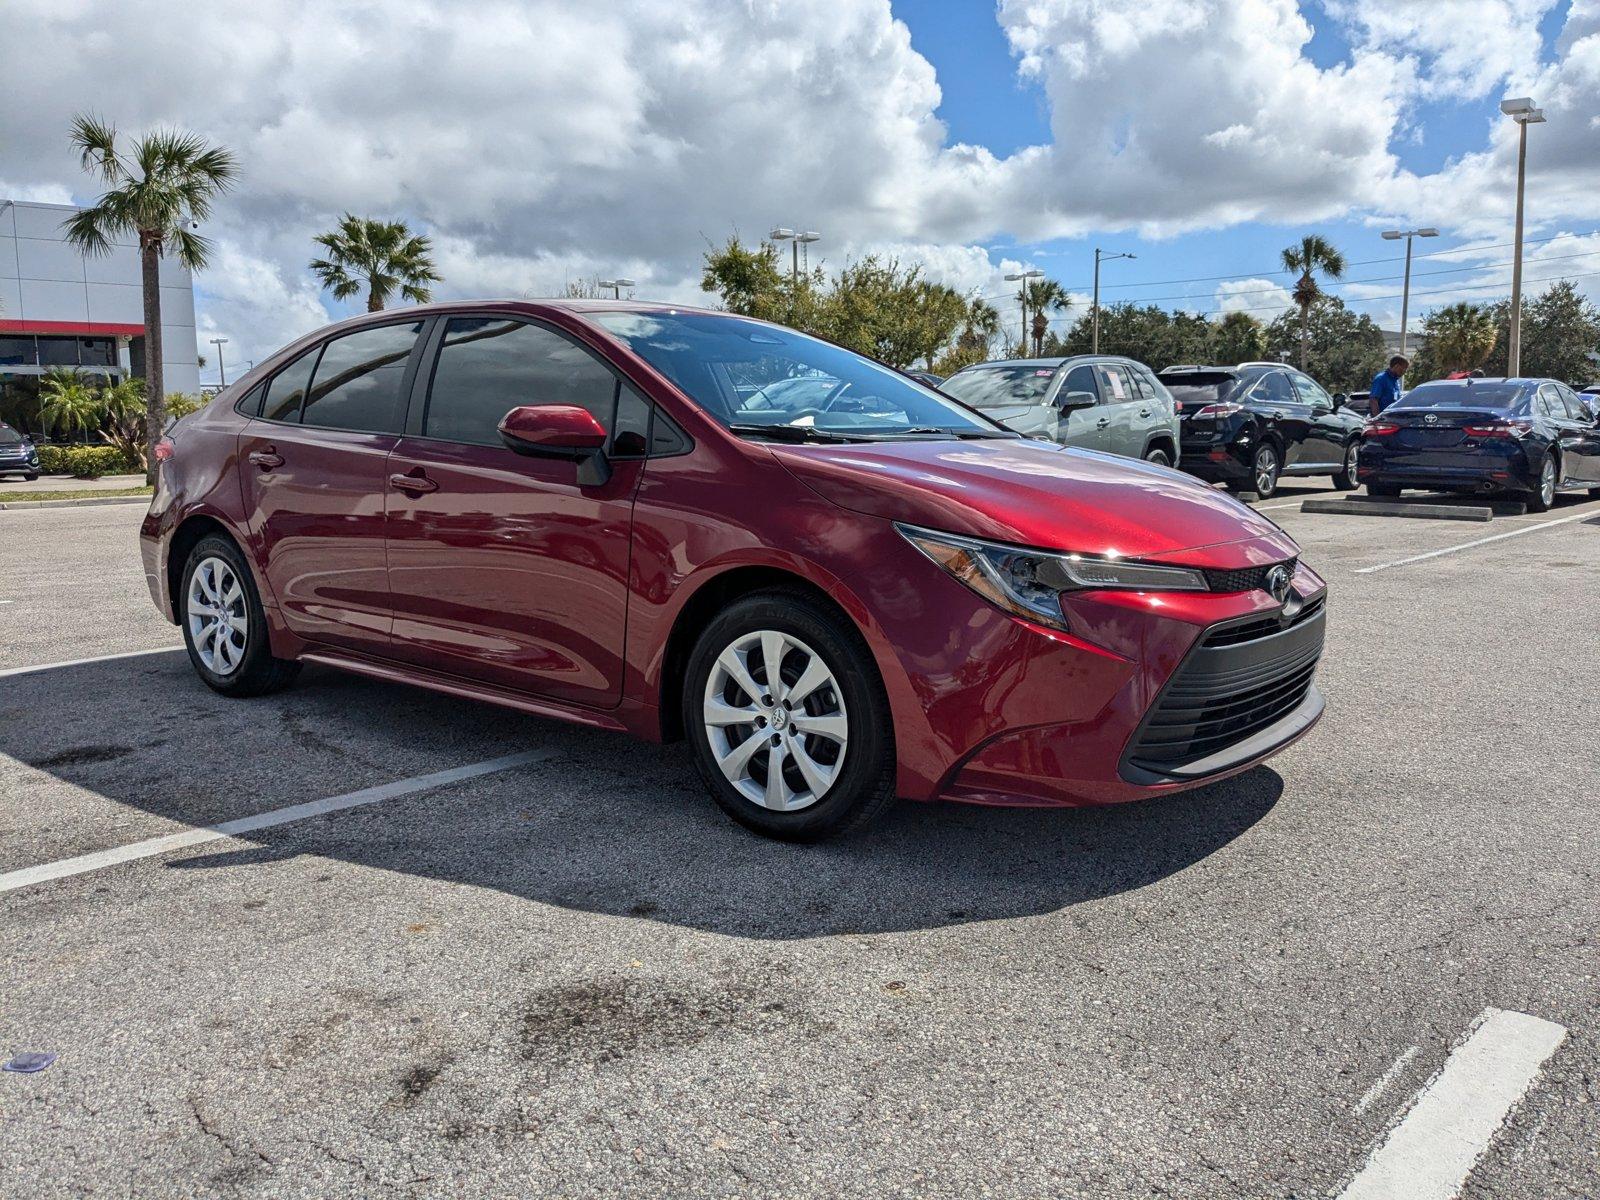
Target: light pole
1394, 235
1522, 111
1022, 295
784, 234
616, 285
221, 373
1100, 256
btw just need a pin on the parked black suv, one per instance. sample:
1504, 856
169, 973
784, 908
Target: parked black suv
1248, 425
17, 455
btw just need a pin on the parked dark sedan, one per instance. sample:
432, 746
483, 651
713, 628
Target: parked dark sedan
1247, 426
1532, 436
17, 453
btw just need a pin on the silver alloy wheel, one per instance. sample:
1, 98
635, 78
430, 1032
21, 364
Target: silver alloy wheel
775, 718
1266, 468
1547, 481
219, 622
1352, 457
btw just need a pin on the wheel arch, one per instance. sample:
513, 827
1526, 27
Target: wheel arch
1164, 440
188, 533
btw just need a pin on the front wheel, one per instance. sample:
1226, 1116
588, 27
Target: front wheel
1544, 495
224, 627
1264, 470
788, 719
1345, 478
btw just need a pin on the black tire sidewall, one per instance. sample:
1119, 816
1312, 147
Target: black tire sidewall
860, 791
257, 654
1158, 456
1277, 468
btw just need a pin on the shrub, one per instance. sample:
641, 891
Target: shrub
85, 462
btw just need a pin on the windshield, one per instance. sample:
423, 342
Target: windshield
9, 436
1000, 387
764, 379
1460, 395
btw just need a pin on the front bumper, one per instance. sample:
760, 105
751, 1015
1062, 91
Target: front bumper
19, 464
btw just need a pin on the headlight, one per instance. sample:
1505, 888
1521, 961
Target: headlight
1029, 583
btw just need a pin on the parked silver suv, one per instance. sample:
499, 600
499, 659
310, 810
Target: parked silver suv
1097, 402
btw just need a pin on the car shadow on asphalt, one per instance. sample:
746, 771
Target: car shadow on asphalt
611, 826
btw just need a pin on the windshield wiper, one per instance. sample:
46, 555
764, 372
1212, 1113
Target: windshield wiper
966, 435
792, 433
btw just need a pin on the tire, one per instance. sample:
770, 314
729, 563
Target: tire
1265, 465
1159, 456
1345, 480
30, 476
240, 662
1387, 490
1544, 492
856, 774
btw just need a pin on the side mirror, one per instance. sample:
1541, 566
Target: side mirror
1340, 400
1072, 401
559, 431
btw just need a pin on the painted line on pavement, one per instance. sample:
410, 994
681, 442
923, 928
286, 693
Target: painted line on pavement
151, 847
1483, 541
1429, 1155
1386, 1079
80, 662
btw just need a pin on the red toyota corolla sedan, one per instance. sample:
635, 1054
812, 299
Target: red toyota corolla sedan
839, 586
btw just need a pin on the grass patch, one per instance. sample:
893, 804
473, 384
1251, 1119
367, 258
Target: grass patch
71, 494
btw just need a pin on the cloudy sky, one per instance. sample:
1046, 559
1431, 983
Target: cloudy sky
541, 141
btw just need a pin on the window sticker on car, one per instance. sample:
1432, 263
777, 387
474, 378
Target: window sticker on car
1046, 373
1116, 385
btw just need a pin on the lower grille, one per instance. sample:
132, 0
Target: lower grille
1238, 681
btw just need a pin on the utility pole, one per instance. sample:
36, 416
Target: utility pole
616, 285
1022, 295
1393, 235
222, 373
1523, 112
1100, 256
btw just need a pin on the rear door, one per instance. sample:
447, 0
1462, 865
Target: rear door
313, 462
504, 568
1119, 422
1276, 402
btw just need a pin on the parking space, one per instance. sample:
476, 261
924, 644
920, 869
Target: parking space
571, 976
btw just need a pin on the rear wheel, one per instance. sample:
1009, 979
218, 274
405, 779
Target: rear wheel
1158, 455
788, 720
224, 627
1544, 493
1264, 468
1345, 478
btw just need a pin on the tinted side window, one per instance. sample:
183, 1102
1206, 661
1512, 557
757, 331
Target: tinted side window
1118, 387
489, 365
1575, 409
288, 388
357, 384
1141, 386
1310, 393
1550, 403
250, 403
1080, 379
1274, 389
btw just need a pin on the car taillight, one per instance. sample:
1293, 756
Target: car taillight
1499, 429
1381, 429
1218, 410
164, 449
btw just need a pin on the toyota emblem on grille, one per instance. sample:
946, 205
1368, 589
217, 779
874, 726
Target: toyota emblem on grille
1431, 419
1280, 585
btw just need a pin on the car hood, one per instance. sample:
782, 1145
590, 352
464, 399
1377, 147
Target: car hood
1039, 494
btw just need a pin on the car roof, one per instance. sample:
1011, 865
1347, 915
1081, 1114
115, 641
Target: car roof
1047, 362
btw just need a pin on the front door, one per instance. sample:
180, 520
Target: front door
312, 467
1580, 436
1080, 424
504, 568
1325, 431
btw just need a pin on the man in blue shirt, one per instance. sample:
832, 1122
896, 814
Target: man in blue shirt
1386, 384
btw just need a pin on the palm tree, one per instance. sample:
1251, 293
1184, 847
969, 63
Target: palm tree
1460, 336
67, 402
1314, 253
381, 256
1043, 294
158, 191
982, 323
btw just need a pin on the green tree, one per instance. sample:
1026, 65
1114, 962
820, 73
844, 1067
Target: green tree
120, 406
1343, 350
384, 257
1560, 330
1314, 255
753, 283
1144, 332
67, 402
157, 192
1240, 338
1044, 295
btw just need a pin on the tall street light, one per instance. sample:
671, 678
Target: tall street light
784, 234
616, 285
1100, 256
1522, 111
221, 373
1394, 235
1022, 295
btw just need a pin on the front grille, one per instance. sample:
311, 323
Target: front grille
1243, 579
1238, 681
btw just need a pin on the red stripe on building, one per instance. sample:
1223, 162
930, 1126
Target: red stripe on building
81, 328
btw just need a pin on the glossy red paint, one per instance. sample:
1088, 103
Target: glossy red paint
553, 426
498, 575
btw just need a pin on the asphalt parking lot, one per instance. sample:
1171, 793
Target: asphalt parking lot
573, 977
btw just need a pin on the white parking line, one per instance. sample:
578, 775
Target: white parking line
79, 662
1483, 541
149, 848
1386, 1079
1431, 1152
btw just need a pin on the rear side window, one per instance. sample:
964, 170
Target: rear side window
1310, 393
287, 391
1274, 389
358, 381
489, 365
1118, 388
250, 403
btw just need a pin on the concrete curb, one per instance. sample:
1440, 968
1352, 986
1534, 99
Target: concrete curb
79, 503
1376, 508
1500, 508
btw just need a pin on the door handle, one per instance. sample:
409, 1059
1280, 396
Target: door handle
1276, 412
1144, 412
266, 459
1102, 423
415, 484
